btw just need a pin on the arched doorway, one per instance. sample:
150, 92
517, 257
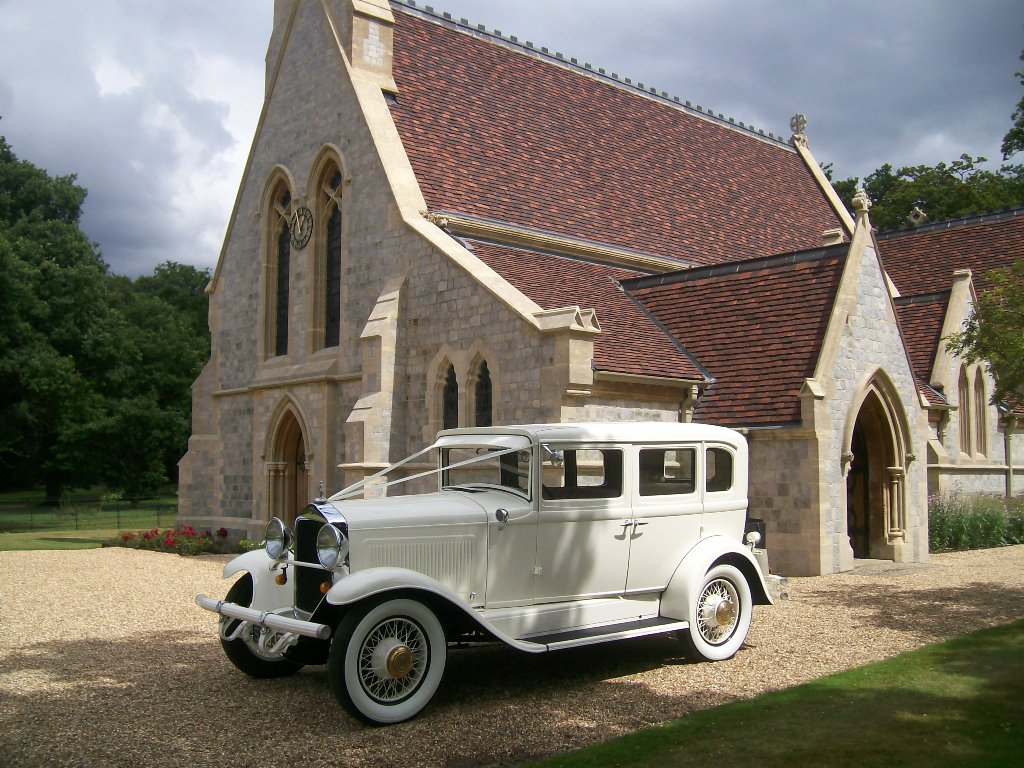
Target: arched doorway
288, 472
875, 494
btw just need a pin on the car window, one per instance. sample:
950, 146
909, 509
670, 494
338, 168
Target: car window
486, 466
583, 474
667, 471
719, 470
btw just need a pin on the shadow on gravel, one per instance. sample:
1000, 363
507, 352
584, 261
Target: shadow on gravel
170, 699
930, 613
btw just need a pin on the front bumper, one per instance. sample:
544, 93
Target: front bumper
265, 619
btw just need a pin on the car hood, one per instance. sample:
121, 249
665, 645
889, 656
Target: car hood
441, 508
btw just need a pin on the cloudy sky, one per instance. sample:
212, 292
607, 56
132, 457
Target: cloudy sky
153, 104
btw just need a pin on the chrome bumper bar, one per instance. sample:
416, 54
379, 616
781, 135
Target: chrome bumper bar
265, 619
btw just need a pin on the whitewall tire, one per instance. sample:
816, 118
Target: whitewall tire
387, 660
719, 616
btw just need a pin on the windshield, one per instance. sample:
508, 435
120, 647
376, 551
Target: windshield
472, 468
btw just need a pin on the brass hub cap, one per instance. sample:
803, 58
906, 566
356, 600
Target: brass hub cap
725, 613
400, 661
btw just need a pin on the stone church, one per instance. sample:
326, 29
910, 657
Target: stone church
439, 225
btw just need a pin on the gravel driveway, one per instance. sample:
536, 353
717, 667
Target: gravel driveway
106, 661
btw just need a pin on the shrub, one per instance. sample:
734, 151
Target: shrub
185, 540
957, 522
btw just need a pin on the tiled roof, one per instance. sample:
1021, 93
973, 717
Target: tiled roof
629, 341
496, 131
755, 326
923, 260
921, 319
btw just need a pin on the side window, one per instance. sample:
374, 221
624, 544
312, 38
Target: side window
667, 471
719, 470
583, 474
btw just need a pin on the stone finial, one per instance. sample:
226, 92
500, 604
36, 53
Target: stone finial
917, 216
861, 203
798, 124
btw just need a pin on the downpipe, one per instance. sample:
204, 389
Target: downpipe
264, 619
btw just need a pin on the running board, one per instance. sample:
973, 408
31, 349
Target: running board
556, 641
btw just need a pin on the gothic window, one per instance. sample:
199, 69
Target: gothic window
964, 400
980, 436
332, 261
282, 255
450, 400
482, 397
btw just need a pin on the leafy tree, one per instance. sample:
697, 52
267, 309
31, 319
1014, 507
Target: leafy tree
95, 370
1013, 141
943, 191
994, 332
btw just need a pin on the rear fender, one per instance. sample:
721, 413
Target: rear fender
685, 584
267, 595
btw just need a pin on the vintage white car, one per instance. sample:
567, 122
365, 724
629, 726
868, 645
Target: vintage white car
543, 537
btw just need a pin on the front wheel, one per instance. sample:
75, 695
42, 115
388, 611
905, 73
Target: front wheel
719, 617
244, 651
386, 660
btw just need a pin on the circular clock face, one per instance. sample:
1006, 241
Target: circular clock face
301, 226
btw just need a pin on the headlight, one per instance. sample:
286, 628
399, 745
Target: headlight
278, 539
331, 546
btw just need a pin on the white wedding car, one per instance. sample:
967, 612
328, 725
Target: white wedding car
543, 537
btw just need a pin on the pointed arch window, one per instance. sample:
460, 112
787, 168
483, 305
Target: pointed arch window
980, 425
964, 400
483, 397
332, 259
450, 400
282, 256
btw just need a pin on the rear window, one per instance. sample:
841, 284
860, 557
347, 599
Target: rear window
719, 470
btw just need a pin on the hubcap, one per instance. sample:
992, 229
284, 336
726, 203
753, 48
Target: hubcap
400, 661
717, 611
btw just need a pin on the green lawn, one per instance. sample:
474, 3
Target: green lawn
959, 703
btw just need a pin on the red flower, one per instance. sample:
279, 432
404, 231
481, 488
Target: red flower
126, 537
188, 530
222, 533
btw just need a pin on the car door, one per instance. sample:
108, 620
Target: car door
584, 525
667, 511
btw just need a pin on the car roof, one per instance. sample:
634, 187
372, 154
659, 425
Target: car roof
611, 432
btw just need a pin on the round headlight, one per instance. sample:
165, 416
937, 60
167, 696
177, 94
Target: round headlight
331, 546
278, 539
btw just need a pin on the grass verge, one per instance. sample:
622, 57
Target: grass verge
68, 539
958, 703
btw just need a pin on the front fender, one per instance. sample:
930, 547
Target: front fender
378, 581
686, 582
267, 595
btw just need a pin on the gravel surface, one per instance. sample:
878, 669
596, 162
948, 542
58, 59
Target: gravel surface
106, 661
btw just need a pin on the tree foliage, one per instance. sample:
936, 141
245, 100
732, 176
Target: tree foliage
994, 332
1013, 141
943, 191
95, 369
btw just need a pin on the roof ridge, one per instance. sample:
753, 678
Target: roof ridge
952, 223
737, 267
599, 74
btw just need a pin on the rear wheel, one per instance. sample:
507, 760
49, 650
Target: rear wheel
244, 651
720, 616
387, 660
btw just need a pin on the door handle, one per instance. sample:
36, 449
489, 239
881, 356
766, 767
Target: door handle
637, 524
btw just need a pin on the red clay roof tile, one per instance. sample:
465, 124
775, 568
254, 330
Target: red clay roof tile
497, 132
756, 327
921, 319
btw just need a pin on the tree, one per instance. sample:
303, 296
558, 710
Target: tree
95, 369
994, 332
1013, 141
943, 191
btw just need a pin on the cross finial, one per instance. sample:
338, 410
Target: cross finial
798, 124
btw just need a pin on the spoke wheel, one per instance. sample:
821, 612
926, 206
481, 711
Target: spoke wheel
244, 651
387, 660
720, 616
